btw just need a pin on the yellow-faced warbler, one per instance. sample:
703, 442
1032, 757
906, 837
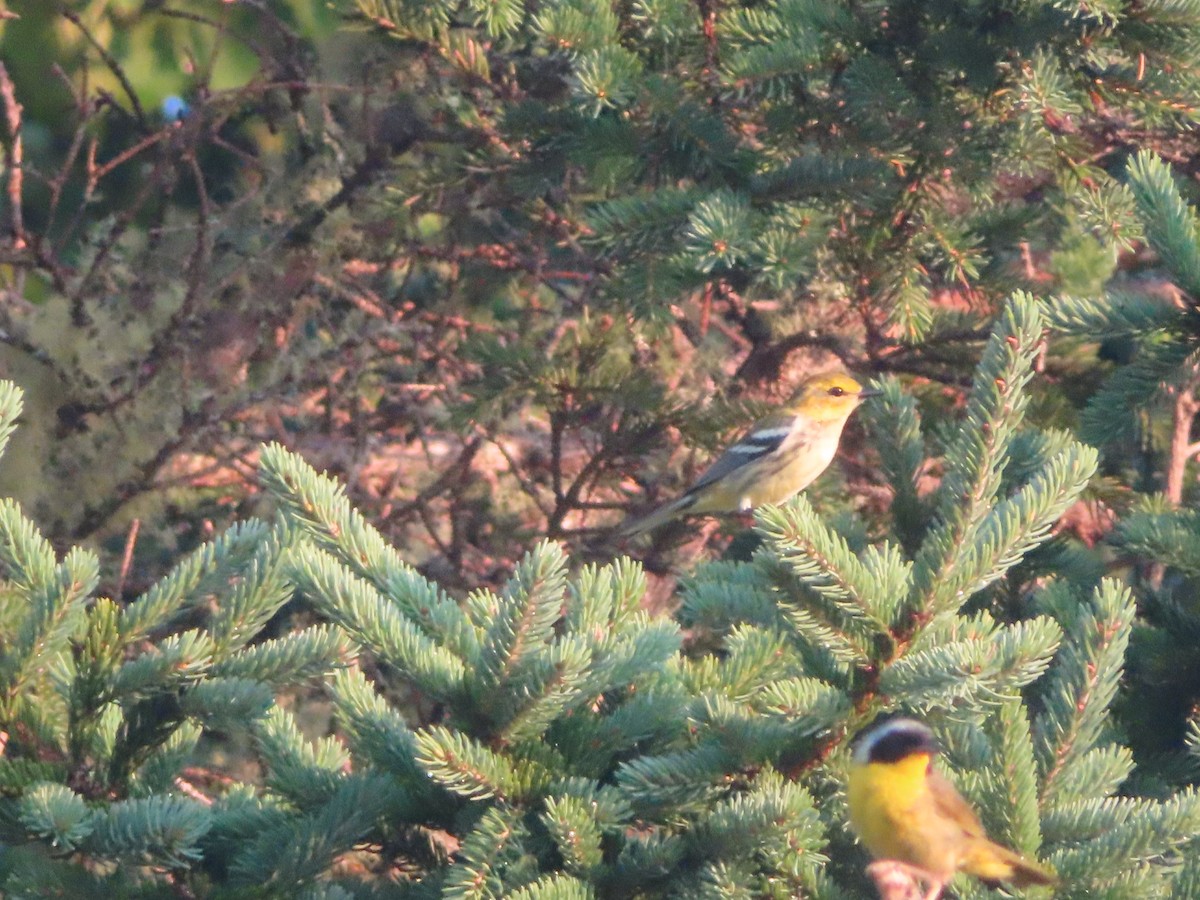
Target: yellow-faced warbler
911, 818
777, 458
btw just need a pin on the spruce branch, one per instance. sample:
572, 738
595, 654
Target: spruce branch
465, 767
55, 613
378, 623
577, 835
976, 663
495, 843
317, 505
1131, 389
205, 570
258, 594
555, 887
56, 814
602, 597
685, 780
1018, 775
227, 704
723, 593
375, 730
163, 766
856, 602
1013, 527
647, 857
303, 655
775, 814
895, 422
1119, 313
1154, 531
754, 658
12, 402
808, 704
747, 737
1111, 839
1171, 225
830, 653
284, 858
551, 685
621, 657
303, 772
975, 460
521, 619
176, 660
1083, 682
160, 831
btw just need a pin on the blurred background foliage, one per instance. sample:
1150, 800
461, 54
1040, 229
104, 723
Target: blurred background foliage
517, 269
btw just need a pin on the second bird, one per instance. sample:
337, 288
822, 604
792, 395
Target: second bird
779, 457
911, 817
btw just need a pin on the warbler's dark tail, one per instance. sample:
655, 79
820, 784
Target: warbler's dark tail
993, 863
659, 516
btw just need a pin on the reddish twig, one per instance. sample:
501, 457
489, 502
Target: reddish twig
95, 174
127, 559
1184, 411
12, 113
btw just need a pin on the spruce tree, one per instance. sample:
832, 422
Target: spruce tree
589, 180
1149, 402
552, 739
720, 770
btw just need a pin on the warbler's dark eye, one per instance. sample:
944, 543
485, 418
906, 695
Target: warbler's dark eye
837, 392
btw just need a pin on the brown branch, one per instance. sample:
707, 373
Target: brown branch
127, 559
1183, 417
569, 500
120, 225
363, 176
95, 174
12, 113
59, 182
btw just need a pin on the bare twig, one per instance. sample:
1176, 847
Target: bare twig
12, 115
570, 499
127, 559
59, 181
1184, 413
99, 172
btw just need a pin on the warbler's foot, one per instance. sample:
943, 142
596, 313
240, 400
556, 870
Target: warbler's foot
898, 880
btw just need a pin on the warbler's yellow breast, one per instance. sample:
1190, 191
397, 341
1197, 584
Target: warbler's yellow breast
896, 817
903, 809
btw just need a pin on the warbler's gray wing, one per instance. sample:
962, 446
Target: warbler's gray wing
755, 445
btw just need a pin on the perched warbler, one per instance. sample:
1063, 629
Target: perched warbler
909, 816
780, 456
